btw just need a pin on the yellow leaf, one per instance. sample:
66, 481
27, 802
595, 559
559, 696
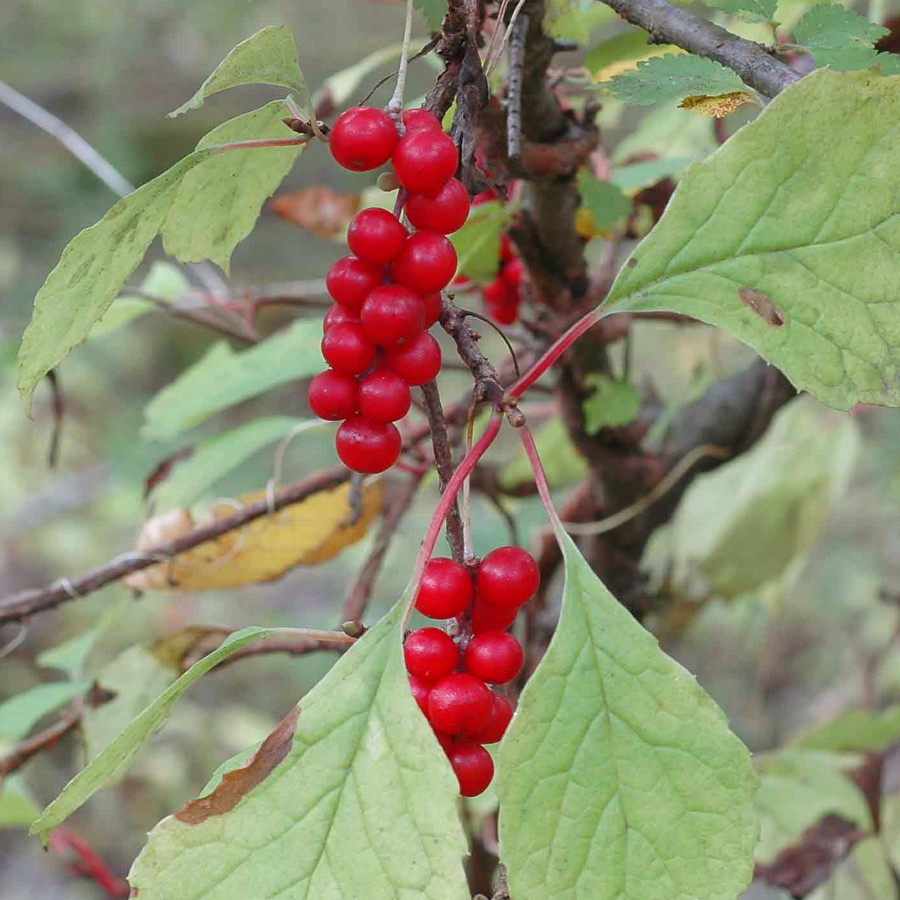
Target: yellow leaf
717, 106
305, 533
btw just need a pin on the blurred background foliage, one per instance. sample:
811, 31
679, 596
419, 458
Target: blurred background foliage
778, 581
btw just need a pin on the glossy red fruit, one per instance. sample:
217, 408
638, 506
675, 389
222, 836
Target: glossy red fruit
459, 704
424, 161
362, 138
473, 767
333, 396
426, 263
384, 396
502, 313
418, 360
420, 690
494, 656
513, 272
508, 576
367, 446
376, 236
432, 304
498, 721
392, 314
446, 589
348, 349
419, 120
446, 212
337, 314
430, 654
447, 741
350, 281
486, 617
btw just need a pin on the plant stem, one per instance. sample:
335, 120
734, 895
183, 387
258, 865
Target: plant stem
260, 142
395, 104
540, 478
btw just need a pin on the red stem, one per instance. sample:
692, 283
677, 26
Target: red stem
540, 476
89, 863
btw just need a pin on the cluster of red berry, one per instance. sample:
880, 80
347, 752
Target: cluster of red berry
449, 678
387, 293
504, 294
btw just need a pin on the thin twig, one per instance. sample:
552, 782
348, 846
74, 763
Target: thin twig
519, 29
395, 104
43, 740
59, 410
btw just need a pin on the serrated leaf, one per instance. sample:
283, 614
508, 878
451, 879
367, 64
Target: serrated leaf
855, 730
362, 805
841, 38
663, 79
477, 243
604, 201
118, 754
268, 57
612, 404
21, 712
217, 457
751, 10
432, 11
224, 377
619, 778
786, 221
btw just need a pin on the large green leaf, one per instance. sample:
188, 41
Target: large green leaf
362, 804
223, 377
619, 778
268, 57
21, 712
795, 218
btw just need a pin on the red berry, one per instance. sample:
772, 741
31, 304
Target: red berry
486, 617
392, 314
507, 577
337, 314
376, 236
420, 120
447, 211
432, 304
459, 704
494, 656
484, 197
424, 161
426, 263
430, 654
498, 721
350, 281
420, 690
501, 301
332, 396
366, 446
473, 767
503, 313
418, 360
347, 348
446, 589
513, 272
362, 138
447, 741
383, 396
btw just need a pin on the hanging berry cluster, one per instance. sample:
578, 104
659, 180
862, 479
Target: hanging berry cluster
503, 295
387, 293
449, 678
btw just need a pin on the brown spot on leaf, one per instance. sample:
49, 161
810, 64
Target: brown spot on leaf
762, 305
319, 209
237, 783
631, 263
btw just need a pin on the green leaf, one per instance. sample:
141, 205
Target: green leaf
857, 730
118, 754
363, 804
217, 457
21, 712
786, 221
751, 10
619, 778
843, 39
605, 202
613, 403
563, 463
223, 377
72, 655
477, 243
337, 89
17, 806
575, 20
433, 12
268, 57
642, 174
631, 45
664, 79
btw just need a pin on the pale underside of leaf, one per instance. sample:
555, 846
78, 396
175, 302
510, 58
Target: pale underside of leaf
802, 207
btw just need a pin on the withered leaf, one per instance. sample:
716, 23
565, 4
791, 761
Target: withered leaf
319, 209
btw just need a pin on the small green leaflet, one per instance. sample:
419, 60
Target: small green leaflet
857, 730
613, 403
642, 174
605, 202
268, 57
363, 805
751, 10
223, 377
432, 11
778, 239
664, 79
575, 20
477, 243
21, 712
619, 778
631, 45
843, 39
17, 806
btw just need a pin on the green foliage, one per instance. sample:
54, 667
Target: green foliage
21, 712
17, 806
639, 175
563, 463
613, 403
98, 261
224, 377
627, 46
363, 805
843, 39
268, 57
605, 202
477, 243
339, 88
856, 730
751, 10
432, 11
663, 79
619, 777
217, 457
575, 20
779, 222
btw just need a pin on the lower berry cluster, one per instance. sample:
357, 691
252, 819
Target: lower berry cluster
449, 677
